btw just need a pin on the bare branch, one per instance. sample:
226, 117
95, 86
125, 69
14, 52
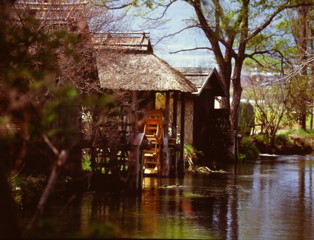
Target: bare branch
192, 49
175, 33
166, 6
116, 7
297, 69
48, 142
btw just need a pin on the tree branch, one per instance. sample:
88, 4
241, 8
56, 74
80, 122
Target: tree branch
55, 172
272, 16
166, 6
255, 60
175, 33
48, 142
209, 32
114, 7
192, 49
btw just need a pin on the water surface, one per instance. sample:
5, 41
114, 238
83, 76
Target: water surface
268, 199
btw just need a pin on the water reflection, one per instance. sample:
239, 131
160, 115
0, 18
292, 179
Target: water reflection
270, 199
278, 204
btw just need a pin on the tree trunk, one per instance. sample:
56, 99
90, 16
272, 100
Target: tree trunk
302, 35
225, 77
237, 92
55, 172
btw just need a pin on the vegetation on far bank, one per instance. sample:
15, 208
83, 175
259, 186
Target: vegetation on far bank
293, 141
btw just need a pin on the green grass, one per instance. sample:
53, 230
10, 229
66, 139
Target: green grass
298, 132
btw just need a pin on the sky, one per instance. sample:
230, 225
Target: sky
191, 38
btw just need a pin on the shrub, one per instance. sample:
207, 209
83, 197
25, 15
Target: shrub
191, 155
282, 139
248, 150
27, 189
262, 138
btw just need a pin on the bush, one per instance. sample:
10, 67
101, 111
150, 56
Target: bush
262, 138
282, 139
191, 155
27, 189
248, 150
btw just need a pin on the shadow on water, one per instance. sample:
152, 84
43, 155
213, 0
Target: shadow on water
268, 199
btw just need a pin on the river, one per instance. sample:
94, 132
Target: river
268, 199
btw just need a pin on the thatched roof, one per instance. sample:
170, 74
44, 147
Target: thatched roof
134, 67
51, 11
204, 79
54, 14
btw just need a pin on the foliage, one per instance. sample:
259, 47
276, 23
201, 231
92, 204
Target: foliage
262, 138
309, 134
27, 189
160, 100
291, 58
86, 163
40, 99
281, 139
248, 150
191, 155
294, 141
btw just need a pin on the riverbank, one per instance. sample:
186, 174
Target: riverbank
286, 142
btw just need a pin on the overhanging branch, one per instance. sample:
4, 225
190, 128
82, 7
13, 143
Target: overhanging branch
272, 16
166, 6
175, 33
192, 49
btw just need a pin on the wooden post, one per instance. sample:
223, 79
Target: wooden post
165, 166
181, 163
135, 164
173, 153
134, 151
175, 114
141, 165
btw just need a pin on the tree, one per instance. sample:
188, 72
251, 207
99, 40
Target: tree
235, 30
47, 73
294, 61
302, 31
271, 102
